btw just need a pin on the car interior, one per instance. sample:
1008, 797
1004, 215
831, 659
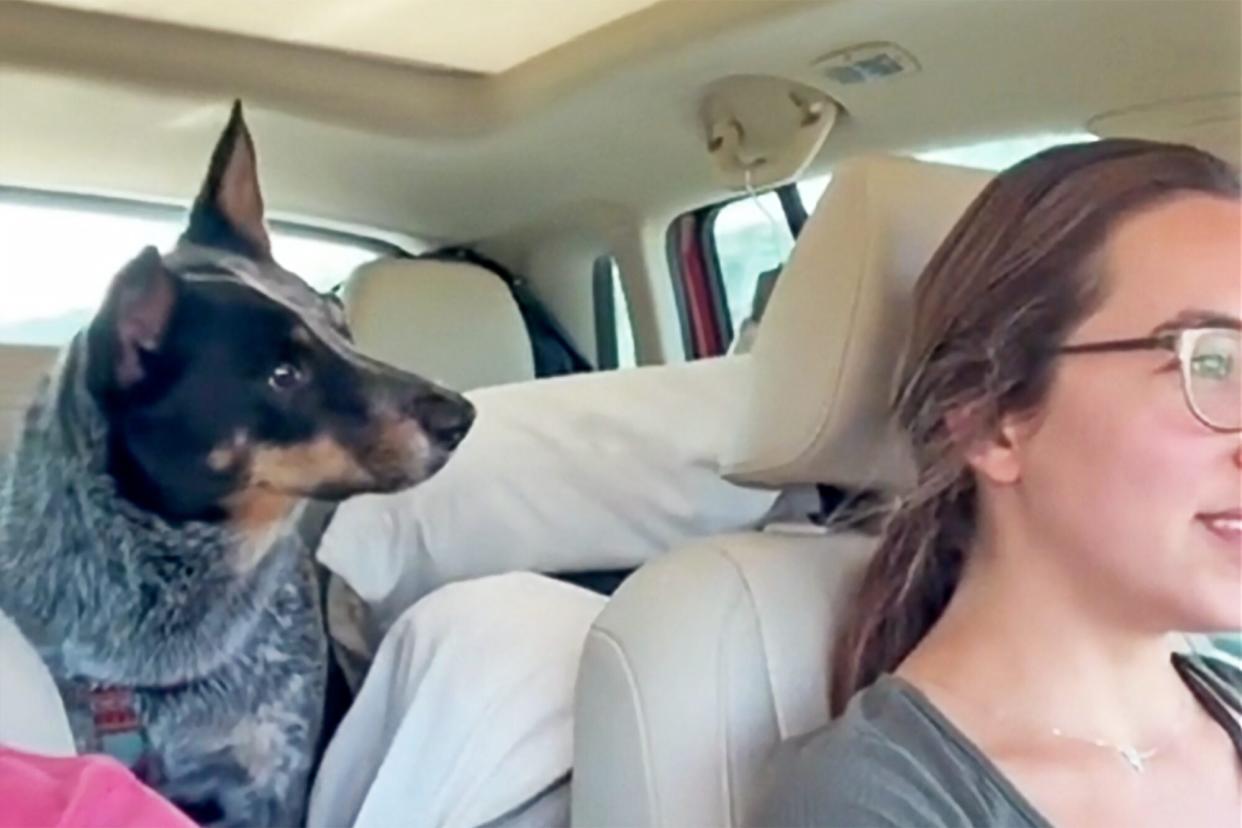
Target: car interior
666, 246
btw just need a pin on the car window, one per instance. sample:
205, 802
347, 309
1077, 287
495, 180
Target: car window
751, 237
997, 154
58, 257
614, 331
993, 154
811, 189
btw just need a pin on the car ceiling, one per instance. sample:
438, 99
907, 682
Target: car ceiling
483, 36
94, 102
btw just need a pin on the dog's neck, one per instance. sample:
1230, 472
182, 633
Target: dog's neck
108, 591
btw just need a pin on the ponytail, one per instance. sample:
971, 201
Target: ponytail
904, 589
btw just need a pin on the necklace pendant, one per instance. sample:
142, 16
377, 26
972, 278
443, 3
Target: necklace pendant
1135, 758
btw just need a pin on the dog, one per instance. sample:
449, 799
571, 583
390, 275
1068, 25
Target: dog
147, 514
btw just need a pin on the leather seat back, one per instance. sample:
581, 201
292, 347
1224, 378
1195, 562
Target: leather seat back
708, 658
452, 322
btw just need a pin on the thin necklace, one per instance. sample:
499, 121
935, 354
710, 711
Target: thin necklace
1134, 757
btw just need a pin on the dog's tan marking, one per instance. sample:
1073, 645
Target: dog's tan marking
254, 510
229, 454
304, 467
258, 516
402, 448
278, 478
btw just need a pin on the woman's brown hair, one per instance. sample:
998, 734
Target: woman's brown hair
1011, 281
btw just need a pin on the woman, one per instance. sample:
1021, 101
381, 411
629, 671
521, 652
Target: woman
1071, 390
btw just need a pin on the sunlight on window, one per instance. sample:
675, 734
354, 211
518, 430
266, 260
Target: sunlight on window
626, 356
811, 190
995, 154
751, 237
56, 263
323, 263
1000, 153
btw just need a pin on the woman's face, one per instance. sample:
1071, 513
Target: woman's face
1120, 479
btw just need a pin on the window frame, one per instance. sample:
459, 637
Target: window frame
693, 285
704, 218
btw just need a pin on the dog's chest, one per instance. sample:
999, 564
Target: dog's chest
244, 731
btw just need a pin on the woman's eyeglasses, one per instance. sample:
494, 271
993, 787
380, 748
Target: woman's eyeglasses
1208, 357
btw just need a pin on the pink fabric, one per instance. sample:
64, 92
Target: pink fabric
78, 792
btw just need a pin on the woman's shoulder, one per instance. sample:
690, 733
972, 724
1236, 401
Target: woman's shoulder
882, 763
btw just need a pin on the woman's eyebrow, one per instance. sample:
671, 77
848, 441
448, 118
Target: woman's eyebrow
1194, 318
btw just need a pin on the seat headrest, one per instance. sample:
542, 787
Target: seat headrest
452, 322
828, 348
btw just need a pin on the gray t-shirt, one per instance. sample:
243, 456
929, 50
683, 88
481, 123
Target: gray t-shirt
893, 759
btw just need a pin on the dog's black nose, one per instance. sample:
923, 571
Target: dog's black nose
445, 417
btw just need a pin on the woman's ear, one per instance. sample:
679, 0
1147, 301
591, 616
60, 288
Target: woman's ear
990, 450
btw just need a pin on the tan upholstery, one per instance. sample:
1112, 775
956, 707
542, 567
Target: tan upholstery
21, 369
700, 664
836, 323
706, 659
451, 322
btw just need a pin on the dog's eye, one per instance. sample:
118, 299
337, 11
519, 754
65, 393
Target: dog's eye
285, 376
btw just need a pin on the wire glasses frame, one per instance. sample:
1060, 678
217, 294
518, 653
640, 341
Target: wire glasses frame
1208, 358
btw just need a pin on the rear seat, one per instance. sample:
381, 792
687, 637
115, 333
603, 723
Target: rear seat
707, 658
21, 368
451, 322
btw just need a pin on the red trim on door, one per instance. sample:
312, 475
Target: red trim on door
706, 337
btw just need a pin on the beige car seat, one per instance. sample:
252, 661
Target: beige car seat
709, 657
452, 322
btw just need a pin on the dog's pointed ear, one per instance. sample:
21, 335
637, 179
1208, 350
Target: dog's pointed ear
131, 323
228, 212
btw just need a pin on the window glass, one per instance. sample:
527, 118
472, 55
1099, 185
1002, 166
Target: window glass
626, 353
997, 154
614, 331
994, 154
752, 237
57, 259
810, 190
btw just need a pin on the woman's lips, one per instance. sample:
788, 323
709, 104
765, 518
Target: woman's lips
1226, 525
